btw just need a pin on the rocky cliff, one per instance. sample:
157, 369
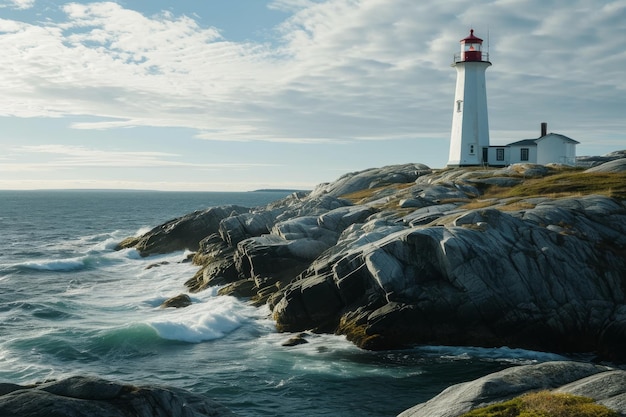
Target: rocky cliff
527, 256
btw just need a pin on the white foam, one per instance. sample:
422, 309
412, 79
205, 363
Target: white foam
210, 320
143, 230
72, 264
500, 354
131, 253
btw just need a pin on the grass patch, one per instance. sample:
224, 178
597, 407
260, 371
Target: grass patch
517, 206
368, 194
567, 184
545, 404
478, 204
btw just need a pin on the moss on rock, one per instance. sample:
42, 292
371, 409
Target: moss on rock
544, 404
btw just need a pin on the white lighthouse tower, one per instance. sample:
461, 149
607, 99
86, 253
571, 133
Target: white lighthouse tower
469, 140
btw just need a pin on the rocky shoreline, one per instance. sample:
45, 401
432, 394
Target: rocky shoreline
405, 255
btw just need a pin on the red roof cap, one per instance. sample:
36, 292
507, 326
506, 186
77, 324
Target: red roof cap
471, 38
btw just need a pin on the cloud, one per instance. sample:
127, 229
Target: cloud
19, 4
340, 70
56, 156
290, 5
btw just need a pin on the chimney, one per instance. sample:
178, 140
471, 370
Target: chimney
544, 129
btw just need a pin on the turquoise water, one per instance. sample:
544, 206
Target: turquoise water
70, 304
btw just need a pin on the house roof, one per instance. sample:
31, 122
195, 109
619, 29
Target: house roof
533, 142
525, 142
562, 137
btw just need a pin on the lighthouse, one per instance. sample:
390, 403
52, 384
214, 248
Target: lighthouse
469, 140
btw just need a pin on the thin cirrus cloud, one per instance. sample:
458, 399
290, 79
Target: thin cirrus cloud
64, 156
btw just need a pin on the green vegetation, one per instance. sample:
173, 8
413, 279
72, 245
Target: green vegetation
544, 404
565, 184
368, 194
559, 183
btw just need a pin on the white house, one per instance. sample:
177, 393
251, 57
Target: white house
546, 149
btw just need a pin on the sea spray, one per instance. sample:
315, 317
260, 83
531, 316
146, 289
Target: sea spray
211, 319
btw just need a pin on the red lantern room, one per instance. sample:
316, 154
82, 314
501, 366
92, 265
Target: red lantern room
471, 48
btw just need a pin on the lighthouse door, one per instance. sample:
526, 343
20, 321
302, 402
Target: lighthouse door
485, 155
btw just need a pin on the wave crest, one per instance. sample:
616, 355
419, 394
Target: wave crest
213, 319
62, 265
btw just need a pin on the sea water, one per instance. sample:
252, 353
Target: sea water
72, 305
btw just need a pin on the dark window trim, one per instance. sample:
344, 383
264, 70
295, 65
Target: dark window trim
524, 154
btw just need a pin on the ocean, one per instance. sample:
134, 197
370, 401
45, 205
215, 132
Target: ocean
72, 305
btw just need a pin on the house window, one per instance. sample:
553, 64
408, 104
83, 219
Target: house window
459, 106
523, 154
499, 154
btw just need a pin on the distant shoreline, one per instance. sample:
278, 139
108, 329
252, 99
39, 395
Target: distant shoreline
131, 190
277, 190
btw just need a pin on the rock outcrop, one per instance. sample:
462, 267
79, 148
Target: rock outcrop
593, 161
617, 165
605, 385
181, 233
402, 255
94, 397
548, 277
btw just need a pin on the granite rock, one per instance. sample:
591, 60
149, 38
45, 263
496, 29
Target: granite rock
82, 396
605, 385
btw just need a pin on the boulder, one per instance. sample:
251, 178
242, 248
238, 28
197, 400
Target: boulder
179, 301
269, 259
592, 161
237, 228
339, 219
617, 165
308, 228
299, 339
607, 388
605, 385
244, 288
372, 178
218, 265
94, 397
181, 233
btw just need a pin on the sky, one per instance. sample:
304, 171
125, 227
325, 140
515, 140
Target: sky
238, 95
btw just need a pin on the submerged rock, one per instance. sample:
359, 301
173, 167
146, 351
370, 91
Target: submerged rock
94, 397
180, 301
296, 340
605, 385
